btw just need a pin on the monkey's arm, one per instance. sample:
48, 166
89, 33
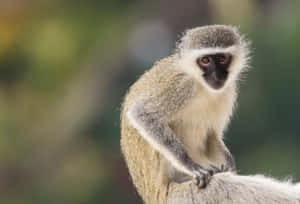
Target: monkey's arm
151, 125
230, 188
218, 150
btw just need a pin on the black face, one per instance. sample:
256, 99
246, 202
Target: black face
215, 68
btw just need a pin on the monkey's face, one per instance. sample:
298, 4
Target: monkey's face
214, 55
215, 68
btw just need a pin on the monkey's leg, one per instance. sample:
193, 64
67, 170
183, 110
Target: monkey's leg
160, 136
219, 153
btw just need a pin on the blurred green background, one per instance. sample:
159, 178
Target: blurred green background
66, 65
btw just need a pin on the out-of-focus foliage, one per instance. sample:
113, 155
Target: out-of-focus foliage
65, 66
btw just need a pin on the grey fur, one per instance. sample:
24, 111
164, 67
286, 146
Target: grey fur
209, 37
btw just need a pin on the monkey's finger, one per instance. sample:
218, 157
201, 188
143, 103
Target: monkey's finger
224, 168
207, 179
196, 180
202, 183
213, 170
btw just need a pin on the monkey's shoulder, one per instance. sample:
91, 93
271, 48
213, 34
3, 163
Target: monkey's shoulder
163, 81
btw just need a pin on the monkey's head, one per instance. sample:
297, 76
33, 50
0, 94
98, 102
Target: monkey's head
214, 55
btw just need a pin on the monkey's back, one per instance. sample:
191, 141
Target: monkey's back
144, 163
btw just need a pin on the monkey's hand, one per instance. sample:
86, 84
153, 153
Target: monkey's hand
202, 176
225, 168
229, 164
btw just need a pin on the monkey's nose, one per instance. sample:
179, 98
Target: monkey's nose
215, 76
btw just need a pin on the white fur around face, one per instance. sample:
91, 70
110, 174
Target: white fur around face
188, 63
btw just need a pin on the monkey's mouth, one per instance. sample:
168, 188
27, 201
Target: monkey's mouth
216, 79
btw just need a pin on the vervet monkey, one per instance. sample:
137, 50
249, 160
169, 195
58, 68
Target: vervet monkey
174, 115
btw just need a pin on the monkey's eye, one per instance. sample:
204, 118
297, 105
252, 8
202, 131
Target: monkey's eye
204, 61
223, 58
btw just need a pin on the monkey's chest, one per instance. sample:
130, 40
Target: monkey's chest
193, 123
191, 128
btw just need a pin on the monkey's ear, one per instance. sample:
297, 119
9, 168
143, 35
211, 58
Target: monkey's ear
179, 42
